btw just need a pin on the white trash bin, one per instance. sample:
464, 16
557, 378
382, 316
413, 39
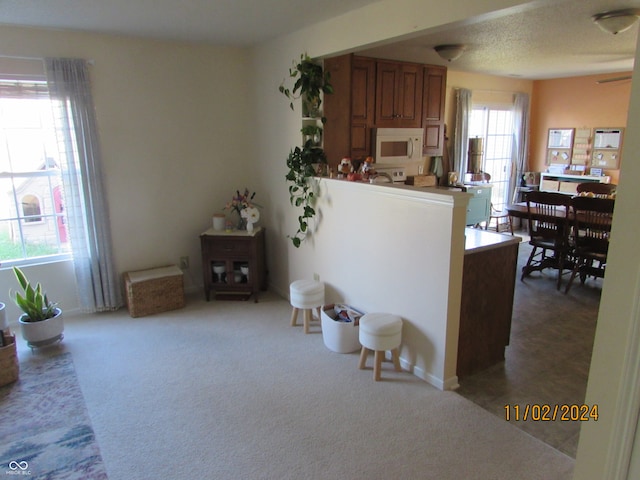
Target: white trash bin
340, 328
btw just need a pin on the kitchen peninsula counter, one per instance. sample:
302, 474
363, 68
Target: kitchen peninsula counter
477, 240
455, 293
488, 286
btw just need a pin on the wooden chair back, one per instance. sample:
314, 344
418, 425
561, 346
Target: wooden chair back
592, 219
548, 218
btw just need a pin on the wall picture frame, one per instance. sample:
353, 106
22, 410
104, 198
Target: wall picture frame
560, 138
560, 145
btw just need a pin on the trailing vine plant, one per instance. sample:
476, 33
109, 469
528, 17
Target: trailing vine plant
310, 82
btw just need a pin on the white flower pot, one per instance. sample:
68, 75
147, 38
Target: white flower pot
4, 324
45, 332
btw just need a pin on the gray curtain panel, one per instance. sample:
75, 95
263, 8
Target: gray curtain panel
84, 199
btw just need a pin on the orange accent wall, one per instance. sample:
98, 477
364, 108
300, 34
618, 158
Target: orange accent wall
576, 102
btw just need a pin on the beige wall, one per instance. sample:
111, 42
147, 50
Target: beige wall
576, 102
484, 87
174, 123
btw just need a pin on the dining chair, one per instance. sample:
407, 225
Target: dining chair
547, 214
499, 216
603, 190
591, 221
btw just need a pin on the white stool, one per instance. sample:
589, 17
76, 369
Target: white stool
306, 295
380, 332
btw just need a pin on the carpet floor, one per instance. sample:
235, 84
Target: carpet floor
228, 390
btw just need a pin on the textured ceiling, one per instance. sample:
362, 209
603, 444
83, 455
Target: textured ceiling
557, 39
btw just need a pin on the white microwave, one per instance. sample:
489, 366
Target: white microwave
397, 146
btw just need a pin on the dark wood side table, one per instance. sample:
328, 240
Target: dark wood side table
233, 262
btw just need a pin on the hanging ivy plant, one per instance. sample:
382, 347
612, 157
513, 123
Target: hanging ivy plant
301, 189
310, 82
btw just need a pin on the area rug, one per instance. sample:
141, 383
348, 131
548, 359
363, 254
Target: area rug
45, 430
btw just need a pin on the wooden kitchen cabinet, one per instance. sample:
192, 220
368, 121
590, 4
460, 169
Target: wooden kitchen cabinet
234, 251
363, 84
350, 110
433, 95
398, 94
488, 288
371, 93
337, 110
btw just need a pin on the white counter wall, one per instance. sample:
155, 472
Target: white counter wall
399, 250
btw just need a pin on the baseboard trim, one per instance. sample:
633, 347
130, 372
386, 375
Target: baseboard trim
274, 288
448, 384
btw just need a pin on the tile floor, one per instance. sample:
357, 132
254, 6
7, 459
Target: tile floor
547, 361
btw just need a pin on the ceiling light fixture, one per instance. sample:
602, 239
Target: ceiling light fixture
450, 52
614, 79
617, 21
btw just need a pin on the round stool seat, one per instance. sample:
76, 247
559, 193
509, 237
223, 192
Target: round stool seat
380, 331
306, 294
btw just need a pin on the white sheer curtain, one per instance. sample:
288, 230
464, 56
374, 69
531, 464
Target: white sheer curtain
461, 134
520, 141
84, 201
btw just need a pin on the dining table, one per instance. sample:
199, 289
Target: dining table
519, 210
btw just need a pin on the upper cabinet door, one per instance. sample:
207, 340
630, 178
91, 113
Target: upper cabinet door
363, 84
434, 89
435, 79
398, 95
386, 86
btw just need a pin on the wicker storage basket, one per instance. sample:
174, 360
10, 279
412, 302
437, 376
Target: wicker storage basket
154, 291
9, 366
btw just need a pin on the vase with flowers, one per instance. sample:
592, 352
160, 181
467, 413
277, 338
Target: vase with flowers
243, 205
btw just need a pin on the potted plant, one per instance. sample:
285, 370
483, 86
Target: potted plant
4, 324
302, 166
311, 81
313, 133
41, 322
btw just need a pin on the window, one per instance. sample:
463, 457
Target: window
31, 209
495, 125
32, 224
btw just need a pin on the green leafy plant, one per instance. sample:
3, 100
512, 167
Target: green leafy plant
301, 190
33, 301
313, 133
310, 83
311, 130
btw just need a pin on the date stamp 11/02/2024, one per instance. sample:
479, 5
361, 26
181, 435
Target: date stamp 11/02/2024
542, 412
